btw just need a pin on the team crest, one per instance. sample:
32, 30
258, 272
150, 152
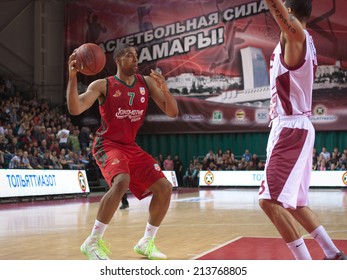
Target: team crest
142, 90
117, 93
157, 167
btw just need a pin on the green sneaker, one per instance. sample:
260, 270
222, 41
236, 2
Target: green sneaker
95, 249
147, 248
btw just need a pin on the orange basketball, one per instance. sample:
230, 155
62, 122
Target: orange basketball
90, 58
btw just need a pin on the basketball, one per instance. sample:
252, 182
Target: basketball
90, 58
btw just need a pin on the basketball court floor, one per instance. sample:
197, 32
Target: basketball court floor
201, 224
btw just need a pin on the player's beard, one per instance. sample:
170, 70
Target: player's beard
131, 71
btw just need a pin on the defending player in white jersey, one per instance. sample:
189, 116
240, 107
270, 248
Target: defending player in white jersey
283, 195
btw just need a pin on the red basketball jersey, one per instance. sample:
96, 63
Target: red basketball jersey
123, 111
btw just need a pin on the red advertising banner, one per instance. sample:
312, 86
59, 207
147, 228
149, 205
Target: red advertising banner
215, 57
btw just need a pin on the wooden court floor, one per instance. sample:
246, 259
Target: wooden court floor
199, 221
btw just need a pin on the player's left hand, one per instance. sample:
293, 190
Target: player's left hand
159, 79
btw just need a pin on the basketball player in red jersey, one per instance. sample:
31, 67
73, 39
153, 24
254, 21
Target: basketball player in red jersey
283, 195
123, 100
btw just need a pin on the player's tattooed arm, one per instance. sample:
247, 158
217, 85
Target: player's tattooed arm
287, 22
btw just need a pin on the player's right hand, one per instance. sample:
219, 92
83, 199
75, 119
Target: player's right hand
72, 63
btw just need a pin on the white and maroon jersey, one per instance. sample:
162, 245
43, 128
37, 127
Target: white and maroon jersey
291, 88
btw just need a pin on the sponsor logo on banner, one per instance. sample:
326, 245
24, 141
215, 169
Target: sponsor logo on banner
209, 178
82, 181
320, 115
217, 116
35, 182
262, 116
240, 118
256, 178
344, 178
159, 118
190, 118
320, 110
240, 115
174, 180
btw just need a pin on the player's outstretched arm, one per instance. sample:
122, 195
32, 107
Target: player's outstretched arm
292, 32
78, 103
161, 94
288, 23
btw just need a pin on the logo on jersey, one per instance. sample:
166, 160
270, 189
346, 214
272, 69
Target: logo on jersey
133, 115
142, 90
117, 93
157, 167
143, 99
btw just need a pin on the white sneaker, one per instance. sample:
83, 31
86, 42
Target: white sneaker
95, 249
147, 248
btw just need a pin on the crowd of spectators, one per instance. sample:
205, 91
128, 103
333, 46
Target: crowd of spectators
326, 160
189, 177
34, 135
219, 161
226, 160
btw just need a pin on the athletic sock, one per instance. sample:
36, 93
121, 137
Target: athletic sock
325, 242
99, 229
299, 249
150, 231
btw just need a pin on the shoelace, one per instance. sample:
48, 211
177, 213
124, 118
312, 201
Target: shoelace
102, 250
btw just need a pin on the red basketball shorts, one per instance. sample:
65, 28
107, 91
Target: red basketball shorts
114, 159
